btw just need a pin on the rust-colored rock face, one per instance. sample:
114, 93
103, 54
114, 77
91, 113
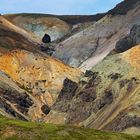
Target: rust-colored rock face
132, 56
35, 79
41, 76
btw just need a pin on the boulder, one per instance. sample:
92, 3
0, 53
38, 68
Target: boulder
45, 109
129, 41
47, 48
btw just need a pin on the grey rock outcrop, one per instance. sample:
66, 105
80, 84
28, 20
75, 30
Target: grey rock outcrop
129, 41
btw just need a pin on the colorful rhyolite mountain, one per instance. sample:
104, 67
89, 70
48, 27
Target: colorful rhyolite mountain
91, 80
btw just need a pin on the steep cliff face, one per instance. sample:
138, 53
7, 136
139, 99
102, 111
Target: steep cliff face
88, 47
106, 98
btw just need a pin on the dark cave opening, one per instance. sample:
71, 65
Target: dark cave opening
46, 38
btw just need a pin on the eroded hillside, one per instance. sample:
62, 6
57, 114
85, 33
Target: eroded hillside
42, 77
106, 98
30, 80
88, 47
37, 87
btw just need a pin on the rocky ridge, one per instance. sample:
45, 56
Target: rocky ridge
98, 40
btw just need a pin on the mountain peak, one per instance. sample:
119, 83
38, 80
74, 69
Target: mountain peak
123, 7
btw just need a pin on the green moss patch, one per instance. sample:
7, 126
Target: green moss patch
19, 130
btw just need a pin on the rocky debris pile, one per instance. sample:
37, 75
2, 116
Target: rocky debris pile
47, 48
89, 73
46, 45
129, 41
